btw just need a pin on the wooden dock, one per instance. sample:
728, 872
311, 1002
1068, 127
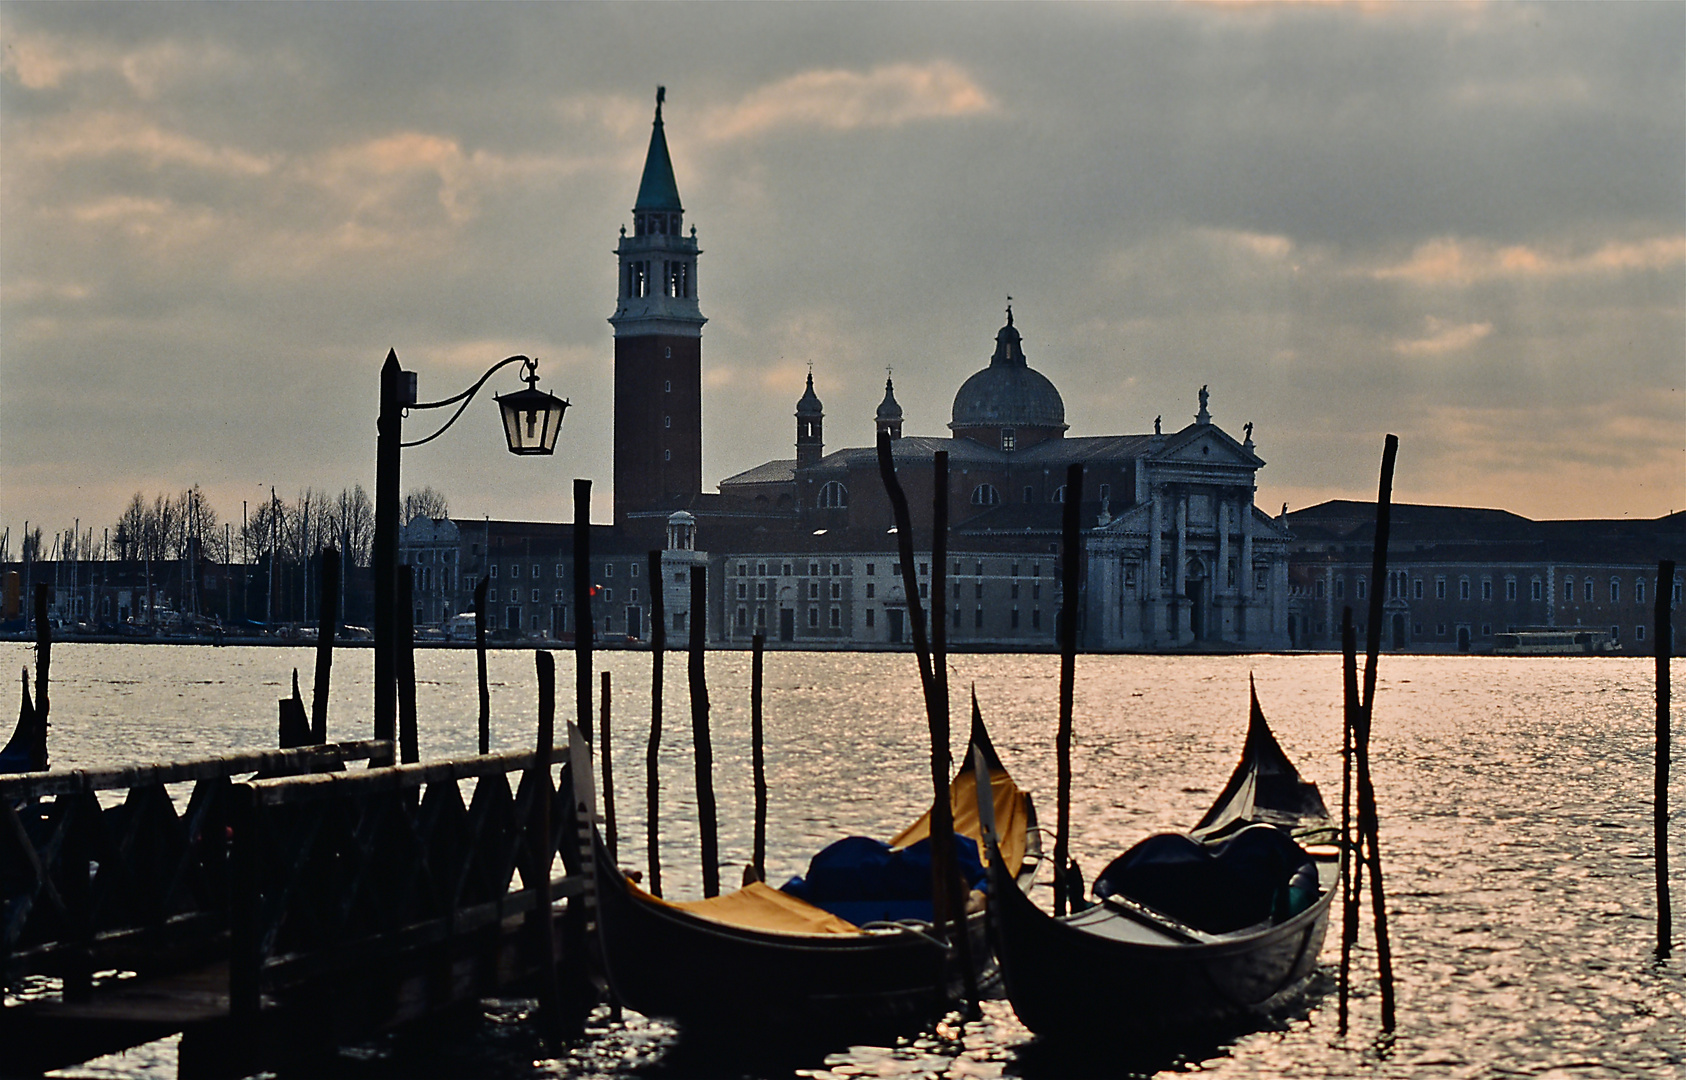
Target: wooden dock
294, 904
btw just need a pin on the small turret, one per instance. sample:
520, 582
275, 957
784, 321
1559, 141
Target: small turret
890, 412
810, 425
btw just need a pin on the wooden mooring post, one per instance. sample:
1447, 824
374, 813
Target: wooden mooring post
758, 757
1070, 564
1662, 647
611, 837
404, 660
328, 617
584, 625
652, 754
480, 667
708, 821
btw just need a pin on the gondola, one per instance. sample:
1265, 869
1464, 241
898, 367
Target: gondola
1190, 933
763, 961
26, 750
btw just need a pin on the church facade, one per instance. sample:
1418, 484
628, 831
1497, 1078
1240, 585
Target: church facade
803, 549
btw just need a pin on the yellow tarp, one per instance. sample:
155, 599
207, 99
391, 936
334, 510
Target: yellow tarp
1011, 817
758, 906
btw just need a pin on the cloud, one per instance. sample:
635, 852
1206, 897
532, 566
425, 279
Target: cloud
1443, 337
1449, 261
884, 97
118, 134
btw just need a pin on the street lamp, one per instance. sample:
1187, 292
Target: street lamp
531, 420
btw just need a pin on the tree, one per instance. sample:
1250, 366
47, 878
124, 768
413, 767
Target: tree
354, 525
425, 502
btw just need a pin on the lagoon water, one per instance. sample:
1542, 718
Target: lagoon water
1515, 799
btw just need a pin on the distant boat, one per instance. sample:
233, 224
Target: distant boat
24, 751
1578, 640
1190, 932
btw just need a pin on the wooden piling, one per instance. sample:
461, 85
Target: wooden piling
652, 755
480, 667
948, 895
1369, 826
758, 761
583, 624
541, 852
1349, 894
904, 545
611, 838
328, 613
1662, 646
1071, 558
404, 657
707, 820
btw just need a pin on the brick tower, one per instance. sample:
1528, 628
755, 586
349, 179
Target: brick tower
658, 346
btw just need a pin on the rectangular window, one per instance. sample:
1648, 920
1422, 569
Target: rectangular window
813, 569
977, 591
1014, 590
1340, 588
836, 568
761, 590
957, 567
1035, 569
609, 569
814, 617
1317, 589
871, 590
1029, 495
1036, 618
1639, 632
871, 569
535, 596
1486, 629
1615, 633
1417, 589
1534, 589
924, 590
869, 618
1510, 588
1013, 619
608, 596
1639, 590
1586, 592
1440, 629
760, 569
785, 567
977, 618
1129, 577
1463, 588
743, 616
634, 596
679, 620
813, 590
980, 568
632, 569
558, 569
1486, 588
1568, 589
1440, 588
836, 618
837, 590
494, 572
1261, 579
1615, 591
558, 596
957, 616
924, 569
491, 595
538, 571
743, 590
515, 570
1359, 589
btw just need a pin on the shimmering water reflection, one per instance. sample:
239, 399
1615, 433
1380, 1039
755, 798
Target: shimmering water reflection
1516, 827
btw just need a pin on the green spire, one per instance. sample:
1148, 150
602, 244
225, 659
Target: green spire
658, 191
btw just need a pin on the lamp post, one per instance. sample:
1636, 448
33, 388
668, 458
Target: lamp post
531, 421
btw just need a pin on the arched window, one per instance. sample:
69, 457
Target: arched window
985, 495
833, 495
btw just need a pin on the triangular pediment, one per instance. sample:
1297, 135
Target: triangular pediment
1206, 444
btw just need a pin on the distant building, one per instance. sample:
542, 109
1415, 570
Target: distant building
1458, 576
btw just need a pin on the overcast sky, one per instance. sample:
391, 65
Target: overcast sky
1465, 224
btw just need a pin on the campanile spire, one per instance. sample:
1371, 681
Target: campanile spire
658, 344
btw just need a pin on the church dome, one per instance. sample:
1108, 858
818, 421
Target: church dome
1007, 393
889, 410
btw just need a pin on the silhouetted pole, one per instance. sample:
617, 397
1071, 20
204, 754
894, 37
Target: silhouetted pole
43, 664
910, 579
612, 838
328, 617
707, 821
480, 667
541, 849
1349, 891
583, 626
295, 726
405, 658
758, 761
652, 756
1369, 826
947, 896
389, 433
1070, 563
1663, 646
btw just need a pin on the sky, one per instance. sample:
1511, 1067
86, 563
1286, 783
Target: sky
1461, 223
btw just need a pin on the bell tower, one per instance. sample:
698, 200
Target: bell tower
658, 345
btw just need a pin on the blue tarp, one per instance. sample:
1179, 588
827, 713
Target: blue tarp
865, 880
1249, 878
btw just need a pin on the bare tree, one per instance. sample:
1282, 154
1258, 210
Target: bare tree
425, 502
354, 524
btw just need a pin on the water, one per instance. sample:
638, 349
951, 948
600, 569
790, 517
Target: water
1515, 800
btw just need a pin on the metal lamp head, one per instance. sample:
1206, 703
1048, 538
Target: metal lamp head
531, 418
